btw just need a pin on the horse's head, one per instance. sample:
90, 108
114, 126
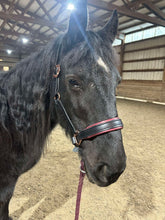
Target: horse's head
88, 82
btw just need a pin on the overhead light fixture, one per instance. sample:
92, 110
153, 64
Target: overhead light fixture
5, 68
70, 7
24, 40
1, 60
9, 51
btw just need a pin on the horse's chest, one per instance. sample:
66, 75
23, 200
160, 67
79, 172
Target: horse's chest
27, 157
30, 158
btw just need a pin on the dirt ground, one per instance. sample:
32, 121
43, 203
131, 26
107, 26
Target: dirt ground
48, 191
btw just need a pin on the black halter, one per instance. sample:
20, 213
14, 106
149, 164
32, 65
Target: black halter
91, 131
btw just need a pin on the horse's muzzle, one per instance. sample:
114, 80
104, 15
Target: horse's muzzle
103, 175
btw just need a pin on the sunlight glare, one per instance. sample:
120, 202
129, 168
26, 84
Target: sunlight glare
25, 40
9, 51
70, 7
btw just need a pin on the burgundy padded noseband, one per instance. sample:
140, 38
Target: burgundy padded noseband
96, 129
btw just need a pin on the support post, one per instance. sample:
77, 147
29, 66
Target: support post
121, 57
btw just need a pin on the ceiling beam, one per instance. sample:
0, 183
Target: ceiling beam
9, 10
47, 13
17, 34
34, 17
14, 45
134, 5
44, 10
131, 26
27, 6
23, 12
26, 19
125, 11
33, 33
154, 9
3, 6
138, 21
7, 44
142, 29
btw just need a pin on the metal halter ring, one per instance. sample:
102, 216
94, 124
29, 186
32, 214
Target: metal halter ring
82, 171
57, 96
57, 69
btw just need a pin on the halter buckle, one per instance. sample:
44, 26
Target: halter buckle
75, 141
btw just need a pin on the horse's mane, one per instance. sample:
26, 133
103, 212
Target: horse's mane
25, 96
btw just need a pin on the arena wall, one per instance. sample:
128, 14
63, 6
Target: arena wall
143, 69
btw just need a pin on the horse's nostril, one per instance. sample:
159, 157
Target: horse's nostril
113, 178
101, 172
105, 175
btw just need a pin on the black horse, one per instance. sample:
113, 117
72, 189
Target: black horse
87, 83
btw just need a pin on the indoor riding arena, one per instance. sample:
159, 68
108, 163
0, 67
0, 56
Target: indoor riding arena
48, 191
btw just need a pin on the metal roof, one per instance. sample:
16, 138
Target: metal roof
42, 20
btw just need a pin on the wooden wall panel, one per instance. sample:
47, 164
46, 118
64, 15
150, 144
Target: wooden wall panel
157, 41
158, 75
118, 49
143, 70
153, 64
144, 54
163, 93
147, 90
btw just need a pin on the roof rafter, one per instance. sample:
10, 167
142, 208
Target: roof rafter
134, 5
27, 19
33, 33
12, 44
44, 10
154, 9
3, 6
10, 9
124, 10
28, 6
17, 34
34, 19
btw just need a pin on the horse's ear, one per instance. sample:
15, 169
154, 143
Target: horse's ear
109, 31
78, 22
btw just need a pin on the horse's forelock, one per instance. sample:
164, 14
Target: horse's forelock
92, 47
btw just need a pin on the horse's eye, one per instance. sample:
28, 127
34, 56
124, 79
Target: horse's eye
74, 83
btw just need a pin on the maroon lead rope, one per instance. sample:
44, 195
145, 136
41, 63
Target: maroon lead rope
81, 179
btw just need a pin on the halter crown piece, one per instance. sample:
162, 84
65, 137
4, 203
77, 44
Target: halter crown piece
102, 127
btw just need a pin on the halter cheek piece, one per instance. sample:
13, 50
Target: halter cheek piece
91, 131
